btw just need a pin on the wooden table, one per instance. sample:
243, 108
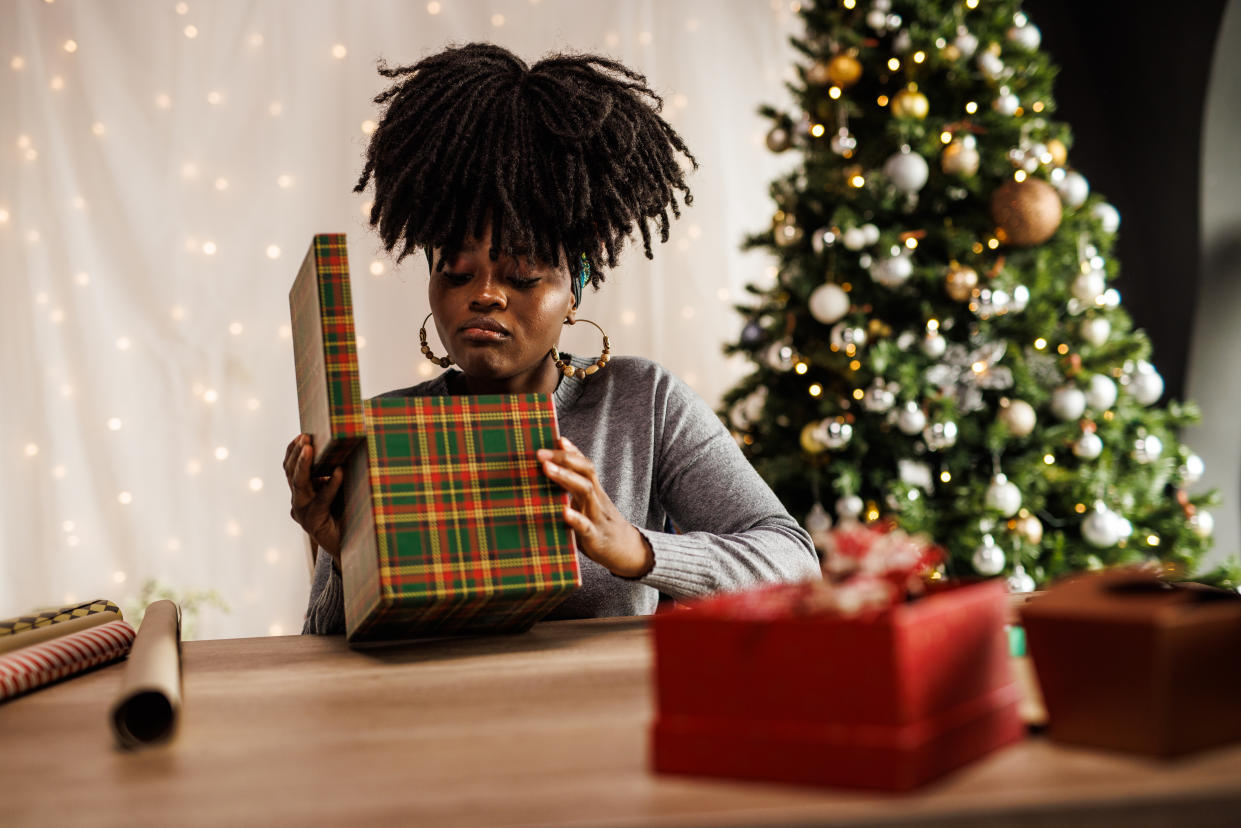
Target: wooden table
544, 728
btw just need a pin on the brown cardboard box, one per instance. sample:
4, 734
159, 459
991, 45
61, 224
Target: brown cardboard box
1129, 662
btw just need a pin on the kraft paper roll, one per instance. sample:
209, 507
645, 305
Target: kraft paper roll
146, 710
37, 635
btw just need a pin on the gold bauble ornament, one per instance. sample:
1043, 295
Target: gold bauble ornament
1058, 152
1026, 212
844, 70
1030, 528
819, 73
786, 232
810, 442
960, 282
877, 329
910, 103
960, 157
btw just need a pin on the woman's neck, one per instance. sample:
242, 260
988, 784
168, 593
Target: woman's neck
542, 379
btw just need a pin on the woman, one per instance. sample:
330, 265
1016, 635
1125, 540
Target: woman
522, 184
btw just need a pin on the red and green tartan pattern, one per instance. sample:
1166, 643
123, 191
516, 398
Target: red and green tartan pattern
469, 533
325, 354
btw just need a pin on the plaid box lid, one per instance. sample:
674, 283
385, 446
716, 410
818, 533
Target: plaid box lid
450, 523
325, 355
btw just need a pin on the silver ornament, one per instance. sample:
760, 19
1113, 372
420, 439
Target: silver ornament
1020, 299
1107, 216
870, 233
915, 473
1088, 446
990, 65
1145, 384
1020, 581
1067, 403
966, 43
934, 344
854, 238
843, 336
780, 356
1110, 299
1027, 37
1203, 523
1003, 496
778, 139
1073, 189
880, 396
911, 418
1191, 470
990, 302
1096, 330
849, 507
835, 434
877, 19
906, 170
843, 142
988, 558
1019, 417
1099, 528
1089, 286
822, 239
1147, 448
828, 303
817, 520
1006, 103
787, 233
1101, 394
940, 436
892, 271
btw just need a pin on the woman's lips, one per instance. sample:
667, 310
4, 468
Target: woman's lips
482, 335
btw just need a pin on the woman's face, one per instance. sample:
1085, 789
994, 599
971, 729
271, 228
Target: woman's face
498, 320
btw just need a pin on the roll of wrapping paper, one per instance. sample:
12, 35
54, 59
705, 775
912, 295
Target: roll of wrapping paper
25, 630
146, 710
39, 664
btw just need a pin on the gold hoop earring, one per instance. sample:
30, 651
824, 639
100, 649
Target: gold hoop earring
443, 361
581, 373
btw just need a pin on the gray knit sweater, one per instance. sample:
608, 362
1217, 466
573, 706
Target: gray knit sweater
660, 453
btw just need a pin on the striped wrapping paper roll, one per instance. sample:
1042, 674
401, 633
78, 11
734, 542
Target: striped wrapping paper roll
40, 664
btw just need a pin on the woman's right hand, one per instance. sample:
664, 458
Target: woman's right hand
312, 497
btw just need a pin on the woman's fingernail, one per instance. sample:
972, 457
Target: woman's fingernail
542, 454
567, 442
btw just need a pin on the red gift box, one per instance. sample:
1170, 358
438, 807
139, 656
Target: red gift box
750, 687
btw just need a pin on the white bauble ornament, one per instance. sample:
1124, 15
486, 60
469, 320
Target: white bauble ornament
1006, 103
1101, 395
892, 271
1068, 403
778, 139
1019, 417
877, 19
989, 558
1111, 299
1088, 446
1099, 528
990, 65
906, 170
915, 473
1124, 529
780, 356
879, 397
1191, 470
843, 142
1027, 37
822, 239
1020, 580
902, 43
849, 507
1089, 286
940, 436
834, 434
1096, 330
854, 238
1147, 448
828, 303
817, 519
1073, 189
752, 406
1030, 528
1203, 523
934, 345
966, 43
1003, 496
911, 419
842, 336
1146, 385
870, 232
1107, 215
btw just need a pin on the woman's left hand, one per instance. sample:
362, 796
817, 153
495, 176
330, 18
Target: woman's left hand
602, 532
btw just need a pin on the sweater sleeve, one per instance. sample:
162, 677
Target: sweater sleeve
733, 530
325, 614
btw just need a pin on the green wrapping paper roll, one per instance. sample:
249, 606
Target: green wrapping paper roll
149, 703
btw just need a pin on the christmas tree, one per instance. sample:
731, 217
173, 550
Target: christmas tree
943, 345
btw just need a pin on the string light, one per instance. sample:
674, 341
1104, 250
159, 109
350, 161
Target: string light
628, 317
256, 484
173, 545
59, 472
210, 396
1040, 343
193, 467
275, 108
817, 130
801, 367
377, 268
1049, 459
214, 97
221, 184
1080, 508
285, 331
275, 629
209, 248
497, 20
18, 63
855, 365
1019, 176
124, 498
1062, 349
971, 107
123, 343
32, 449
816, 390
4, 216
253, 404
114, 424
993, 243
882, 100
1152, 540
284, 181
221, 453
57, 83
857, 181
971, 4
433, 7
163, 101
858, 393
919, 56
273, 251
945, 137
339, 51
182, 8
945, 476
273, 554
235, 328
911, 243
118, 577
191, 31
1037, 106
848, 4
71, 46
232, 528
177, 313
833, 92
894, 64
256, 40
645, 38
369, 126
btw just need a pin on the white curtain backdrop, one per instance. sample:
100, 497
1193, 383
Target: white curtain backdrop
163, 166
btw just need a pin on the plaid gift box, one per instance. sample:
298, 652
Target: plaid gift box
450, 524
324, 352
